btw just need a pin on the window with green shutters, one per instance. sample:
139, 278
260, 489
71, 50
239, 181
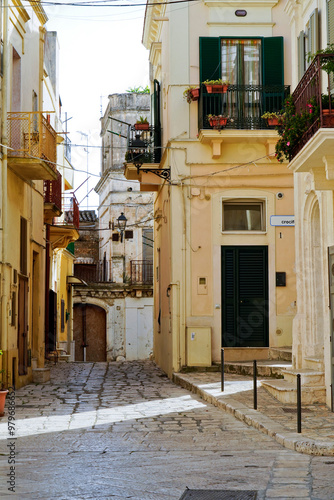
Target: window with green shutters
254, 68
272, 58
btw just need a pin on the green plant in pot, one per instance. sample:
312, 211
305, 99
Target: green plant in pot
142, 123
293, 125
272, 118
191, 94
327, 58
325, 101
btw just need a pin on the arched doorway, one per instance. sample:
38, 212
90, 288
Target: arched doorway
89, 332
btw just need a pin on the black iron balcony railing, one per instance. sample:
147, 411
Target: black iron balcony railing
100, 272
141, 272
242, 104
143, 146
310, 86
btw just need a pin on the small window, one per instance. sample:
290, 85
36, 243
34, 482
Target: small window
243, 216
115, 237
128, 235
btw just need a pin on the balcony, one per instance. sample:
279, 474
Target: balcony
144, 145
242, 104
144, 153
316, 145
141, 272
52, 199
99, 272
32, 142
64, 229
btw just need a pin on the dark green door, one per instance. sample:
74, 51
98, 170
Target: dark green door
244, 296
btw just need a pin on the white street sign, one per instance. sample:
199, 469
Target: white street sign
282, 220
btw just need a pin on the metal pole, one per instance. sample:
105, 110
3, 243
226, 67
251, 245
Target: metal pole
255, 384
222, 369
332, 399
299, 405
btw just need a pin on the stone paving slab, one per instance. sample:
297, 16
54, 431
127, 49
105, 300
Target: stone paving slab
276, 419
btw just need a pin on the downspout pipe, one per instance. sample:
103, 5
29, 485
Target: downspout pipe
4, 207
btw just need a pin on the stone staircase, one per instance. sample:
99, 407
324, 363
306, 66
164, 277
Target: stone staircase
312, 383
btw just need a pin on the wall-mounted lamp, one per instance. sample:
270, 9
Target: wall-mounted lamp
121, 223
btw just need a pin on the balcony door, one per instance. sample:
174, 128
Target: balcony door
255, 69
241, 66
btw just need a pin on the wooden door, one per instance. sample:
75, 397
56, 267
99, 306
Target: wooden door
22, 326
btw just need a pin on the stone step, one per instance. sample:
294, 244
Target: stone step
308, 378
314, 363
273, 369
281, 353
287, 393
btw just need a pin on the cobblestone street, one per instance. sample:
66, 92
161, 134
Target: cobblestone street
124, 430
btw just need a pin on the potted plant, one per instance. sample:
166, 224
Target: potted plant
327, 58
292, 127
3, 391
191, 94
216, 86
273, 119
325, 103
142, 124
217, 121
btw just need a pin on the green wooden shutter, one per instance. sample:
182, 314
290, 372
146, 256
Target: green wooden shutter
156, 119
209, 54
273, 60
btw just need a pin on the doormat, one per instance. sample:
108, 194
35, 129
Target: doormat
218, 495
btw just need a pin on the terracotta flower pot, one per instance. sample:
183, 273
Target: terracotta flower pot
218, 121
3, 395
142, 126
216, 89
272, 122
195, 94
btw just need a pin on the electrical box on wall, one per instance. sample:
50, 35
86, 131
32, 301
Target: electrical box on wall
202, 285
198, 346
280, 279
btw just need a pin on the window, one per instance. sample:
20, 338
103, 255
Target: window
241, 61
243, 215
255, 69
115, 237
308, 43
128, 234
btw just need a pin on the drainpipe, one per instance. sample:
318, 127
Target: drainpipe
5, 269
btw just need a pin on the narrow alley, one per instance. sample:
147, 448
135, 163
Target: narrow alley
124, 430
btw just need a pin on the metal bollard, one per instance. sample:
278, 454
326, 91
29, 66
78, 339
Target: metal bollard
255, 384
299, 405
222, 368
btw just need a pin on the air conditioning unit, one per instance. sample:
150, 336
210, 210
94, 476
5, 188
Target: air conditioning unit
198, 346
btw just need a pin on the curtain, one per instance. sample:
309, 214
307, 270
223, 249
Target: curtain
241, 65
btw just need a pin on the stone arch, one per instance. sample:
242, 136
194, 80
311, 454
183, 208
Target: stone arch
313, 275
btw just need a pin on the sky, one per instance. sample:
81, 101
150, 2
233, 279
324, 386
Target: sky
100, 54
